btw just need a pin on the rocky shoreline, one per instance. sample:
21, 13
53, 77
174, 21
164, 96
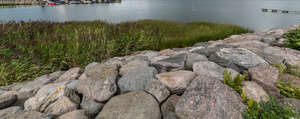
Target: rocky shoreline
180, 83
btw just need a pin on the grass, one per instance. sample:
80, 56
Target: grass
13, 4
31, 49
293, 39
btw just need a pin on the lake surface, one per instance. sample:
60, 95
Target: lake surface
245, 13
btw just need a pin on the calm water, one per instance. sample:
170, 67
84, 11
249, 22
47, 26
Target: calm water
245, 13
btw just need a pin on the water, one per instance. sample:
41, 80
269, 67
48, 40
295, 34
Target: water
245, 13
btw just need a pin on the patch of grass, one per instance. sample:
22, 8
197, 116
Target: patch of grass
236, 83
13, 4
287, 90
293, 39
38, 48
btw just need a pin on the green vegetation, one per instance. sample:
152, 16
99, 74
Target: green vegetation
13, 4
29, 50
271, 109
287, 90
293, 39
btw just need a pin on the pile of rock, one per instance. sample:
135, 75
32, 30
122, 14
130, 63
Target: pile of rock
174, 83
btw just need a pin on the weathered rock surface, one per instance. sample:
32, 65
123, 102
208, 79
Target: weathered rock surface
294, 103
99, 82
176, 81
4, 113
239, 59
291, 79
266, 76
21, 97
71, 74
133, 65
77, 114
193, 58
209, 98
30, 115
168, 107
254, 91
136, 79
54, 98
91, 107
7, 100
211, 69
158, 90
173, 63
134, 105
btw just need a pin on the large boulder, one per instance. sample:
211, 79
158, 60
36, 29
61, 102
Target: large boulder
91, 107
212, 69
136, 79
173, 63
239, 59
77, 114
168, 107
4, 113
158, 90
71, 74
136, 63
254, 91
7, 100
21, 97
266, 76
30, 115
99, 82
54, 98
176, 81
208, 98
134, 105
193, 58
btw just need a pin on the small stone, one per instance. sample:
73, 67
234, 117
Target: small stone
91, 106
173, 63
7, 100
4, 113
77, 114
176, 81
99, 82
133, 65
254, 91
168, 107
71, 74
208, 98
193, 58
136, 79
133, 105
266, 76
158, 90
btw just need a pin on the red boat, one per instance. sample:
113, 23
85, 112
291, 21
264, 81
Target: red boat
52, 3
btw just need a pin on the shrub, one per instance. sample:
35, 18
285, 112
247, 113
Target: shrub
236, 83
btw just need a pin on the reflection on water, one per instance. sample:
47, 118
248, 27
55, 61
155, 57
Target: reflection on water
246, 13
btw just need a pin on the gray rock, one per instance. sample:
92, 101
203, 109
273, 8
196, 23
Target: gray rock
158, 90
212, 69
21, 97
30, 115
133, 65
77, 114
209, 98
168, 107
91, 106
136, 79
168, 52
54, 98
239, 59
71, 74
254, 91
99, 82
291, 79
294, 103
173, 63
134, 105
7, 100
266, 76
176, 81
193, 58
4, 113
91, 65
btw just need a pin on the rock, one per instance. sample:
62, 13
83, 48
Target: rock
99, 82
35, 85
119, 61
239, 59
54, 98
91, 65
136, 79
208, 98
266, 76
193, 58
30, 115
294, 103
21, 97
77, 114
212, 69
254, 91
133, 65
7, 100
176, 81
4, 113
168, 107
291, 79
173, 63
158, 90
71, 74
134, 105
168, 52
91, 106
61, 106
